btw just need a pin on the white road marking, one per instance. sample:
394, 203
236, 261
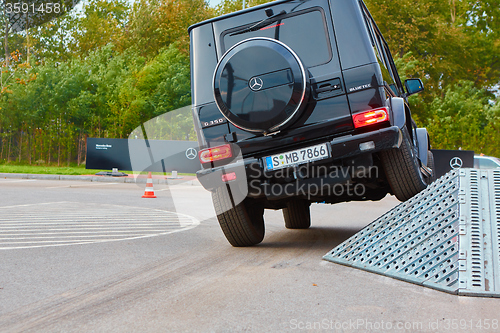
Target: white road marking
38, 204
178, 187
86, 185
17, 180
91, 224
73, 223
103, 228
73, 237
73, 234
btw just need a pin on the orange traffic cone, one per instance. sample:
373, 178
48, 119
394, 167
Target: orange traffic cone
149, 192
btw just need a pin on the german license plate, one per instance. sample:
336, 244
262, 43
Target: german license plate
295, 157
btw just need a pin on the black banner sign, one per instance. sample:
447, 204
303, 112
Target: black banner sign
446, 160
143, 155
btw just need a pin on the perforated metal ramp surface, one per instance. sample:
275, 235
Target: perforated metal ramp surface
447, 237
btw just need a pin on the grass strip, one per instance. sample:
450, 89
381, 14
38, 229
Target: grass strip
58, 170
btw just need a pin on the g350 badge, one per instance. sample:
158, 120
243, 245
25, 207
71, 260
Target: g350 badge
213, 122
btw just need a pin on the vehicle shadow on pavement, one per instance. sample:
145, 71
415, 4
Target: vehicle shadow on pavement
321, 238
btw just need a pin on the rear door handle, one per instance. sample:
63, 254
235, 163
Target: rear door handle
327, 87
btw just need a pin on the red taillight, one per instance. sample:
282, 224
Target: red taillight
228, 177
215, 154
370, 117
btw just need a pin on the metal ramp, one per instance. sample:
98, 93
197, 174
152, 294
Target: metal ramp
447, 237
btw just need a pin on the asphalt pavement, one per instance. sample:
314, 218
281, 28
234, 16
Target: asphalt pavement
79, 255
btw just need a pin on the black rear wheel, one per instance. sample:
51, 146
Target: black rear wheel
432, 166
243, 223
402, 169
297, 214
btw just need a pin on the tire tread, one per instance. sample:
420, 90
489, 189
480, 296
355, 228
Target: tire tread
402, 170
235, 222
297, 215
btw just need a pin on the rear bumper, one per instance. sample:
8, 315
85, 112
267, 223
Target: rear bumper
252, 169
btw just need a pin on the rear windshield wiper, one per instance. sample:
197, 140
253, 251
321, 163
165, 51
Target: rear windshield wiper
261, 24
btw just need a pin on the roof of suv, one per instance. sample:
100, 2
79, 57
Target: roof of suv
239, 12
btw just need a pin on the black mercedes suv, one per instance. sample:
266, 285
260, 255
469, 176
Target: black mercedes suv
299, 101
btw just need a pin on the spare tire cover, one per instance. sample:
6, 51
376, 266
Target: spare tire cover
260, 85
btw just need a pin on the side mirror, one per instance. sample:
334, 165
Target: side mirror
413, 86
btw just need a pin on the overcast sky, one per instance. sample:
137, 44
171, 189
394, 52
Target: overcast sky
214, 3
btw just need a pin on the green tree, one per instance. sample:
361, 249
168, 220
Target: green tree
160, 86
51, 41
446, 38
230, 6
465, 119
87, 78
100, 23
155, 24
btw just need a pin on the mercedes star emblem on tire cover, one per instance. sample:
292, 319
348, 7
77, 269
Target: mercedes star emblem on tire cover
260, 85
256, 83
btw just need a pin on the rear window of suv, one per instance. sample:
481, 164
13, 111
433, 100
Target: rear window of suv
305, 32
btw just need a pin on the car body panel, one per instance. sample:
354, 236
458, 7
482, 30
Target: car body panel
352, 73
486, 162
